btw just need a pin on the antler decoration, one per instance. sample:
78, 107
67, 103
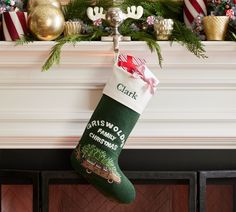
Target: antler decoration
134, 12
115, 17
95, 13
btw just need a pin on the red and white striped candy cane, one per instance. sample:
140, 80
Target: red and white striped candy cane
193, 8
14, 25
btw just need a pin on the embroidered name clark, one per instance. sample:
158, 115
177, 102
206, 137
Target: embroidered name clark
123, 89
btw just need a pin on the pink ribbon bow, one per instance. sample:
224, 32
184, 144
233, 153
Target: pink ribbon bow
151, 82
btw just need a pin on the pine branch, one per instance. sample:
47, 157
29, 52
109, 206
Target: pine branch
131, 2
97, 34
230, 36
25, 39
151, 42
54, 57
154, 46
76, 9
125, 28
187, 38
105, 4
165, 8
234, 36
150, 9
170, 9
231, 32
55, 54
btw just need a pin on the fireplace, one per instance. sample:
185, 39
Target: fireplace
155, 191
50, 184
189, 126
194, 107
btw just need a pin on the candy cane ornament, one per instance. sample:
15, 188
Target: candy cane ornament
193, 8
14, 25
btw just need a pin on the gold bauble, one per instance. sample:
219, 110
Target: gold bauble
32, 4
46, 22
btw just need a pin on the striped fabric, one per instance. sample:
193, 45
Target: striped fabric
14, 25
193, 8
128, 62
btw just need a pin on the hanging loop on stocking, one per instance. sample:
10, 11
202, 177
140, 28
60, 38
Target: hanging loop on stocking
116, 56
116, 43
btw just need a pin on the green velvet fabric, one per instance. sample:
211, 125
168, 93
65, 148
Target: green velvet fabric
96, 155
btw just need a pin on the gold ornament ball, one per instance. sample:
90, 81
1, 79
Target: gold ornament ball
46, 22
32, 4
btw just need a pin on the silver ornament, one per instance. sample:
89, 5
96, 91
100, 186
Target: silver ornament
115, 18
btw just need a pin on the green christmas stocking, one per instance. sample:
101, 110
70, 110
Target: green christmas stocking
124, 98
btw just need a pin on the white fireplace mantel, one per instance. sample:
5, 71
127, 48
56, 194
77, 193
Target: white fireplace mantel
195, 106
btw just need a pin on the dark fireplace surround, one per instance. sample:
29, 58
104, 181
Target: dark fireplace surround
143, 166
130, 159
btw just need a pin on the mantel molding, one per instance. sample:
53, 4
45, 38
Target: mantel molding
35, 54
195, 106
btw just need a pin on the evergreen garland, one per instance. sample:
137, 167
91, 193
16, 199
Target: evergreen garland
230, 35
55, 54
76, 10
185, 37
24, 40
125, 29
165, 8
151, 42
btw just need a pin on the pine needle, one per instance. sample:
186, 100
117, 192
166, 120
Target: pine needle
55, 54
165, 8
76, 9
170, 9
230, 35
151, 42
104, 3
234, 36
25, 39
187, 38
